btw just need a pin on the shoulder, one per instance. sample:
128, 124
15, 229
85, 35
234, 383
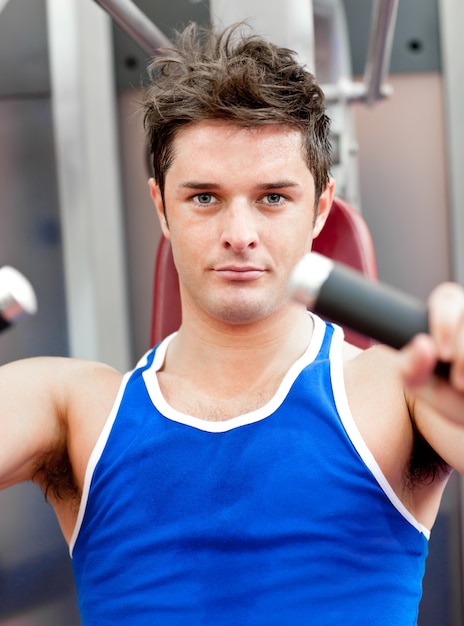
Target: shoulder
374, 387
45, 401
82, 393
384, 413
56, 376
91, 390
46, 389
377, 401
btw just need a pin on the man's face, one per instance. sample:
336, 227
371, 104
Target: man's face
239, 206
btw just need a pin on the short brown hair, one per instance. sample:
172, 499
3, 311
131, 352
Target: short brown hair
238, 77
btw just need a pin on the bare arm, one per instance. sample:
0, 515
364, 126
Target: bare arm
437, 405
31, 416
48, 405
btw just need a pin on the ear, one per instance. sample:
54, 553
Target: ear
323, 207
155, 194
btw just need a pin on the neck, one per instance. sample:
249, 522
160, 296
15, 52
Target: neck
216, 347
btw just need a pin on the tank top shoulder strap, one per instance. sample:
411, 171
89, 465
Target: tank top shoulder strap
323, 336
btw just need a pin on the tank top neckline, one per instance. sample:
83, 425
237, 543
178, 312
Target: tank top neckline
152, 385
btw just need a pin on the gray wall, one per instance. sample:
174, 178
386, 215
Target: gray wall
36, 583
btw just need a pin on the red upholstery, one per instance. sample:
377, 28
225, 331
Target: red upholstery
344, 238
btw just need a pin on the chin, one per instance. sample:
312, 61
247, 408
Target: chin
243, 313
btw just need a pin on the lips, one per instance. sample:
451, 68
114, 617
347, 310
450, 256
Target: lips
240, 273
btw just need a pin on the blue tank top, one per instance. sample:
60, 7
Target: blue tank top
280, 517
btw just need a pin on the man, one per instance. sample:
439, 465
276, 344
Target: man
254, 468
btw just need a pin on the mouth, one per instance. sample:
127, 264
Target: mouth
239, 273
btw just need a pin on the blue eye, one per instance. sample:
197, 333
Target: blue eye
274, 198
203, 198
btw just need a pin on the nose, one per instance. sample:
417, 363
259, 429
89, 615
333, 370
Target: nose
239, 229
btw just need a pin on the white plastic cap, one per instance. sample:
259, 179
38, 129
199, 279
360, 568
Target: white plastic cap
308, 276
17, 297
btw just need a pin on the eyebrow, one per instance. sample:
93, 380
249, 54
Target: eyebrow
197, 184
278, 184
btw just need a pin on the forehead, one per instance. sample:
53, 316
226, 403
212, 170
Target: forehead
222, 142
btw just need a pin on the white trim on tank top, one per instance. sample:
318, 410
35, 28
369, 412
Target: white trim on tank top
354, 434
341, 401
154, 391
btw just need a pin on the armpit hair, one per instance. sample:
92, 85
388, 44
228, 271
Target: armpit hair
53, 472
425, 464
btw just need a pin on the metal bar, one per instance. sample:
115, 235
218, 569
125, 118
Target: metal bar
380, 46
136, 24
3, 4
451, 16
287, 23
352, 91
85, 129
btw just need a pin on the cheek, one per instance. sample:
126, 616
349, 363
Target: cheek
287, 251
187, 254
300, 238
